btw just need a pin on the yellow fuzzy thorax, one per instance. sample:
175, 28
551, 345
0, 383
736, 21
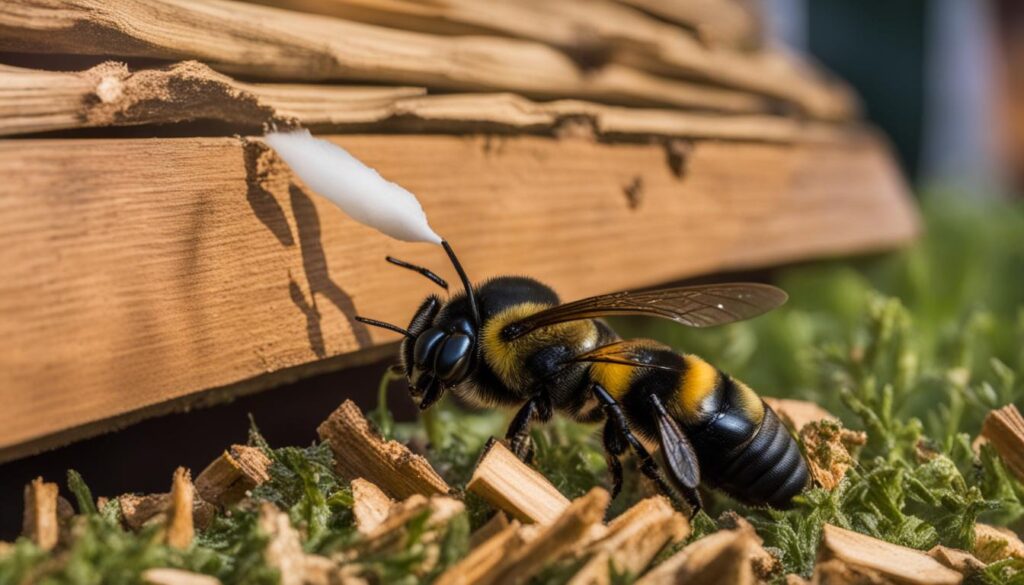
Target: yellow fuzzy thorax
614, 378
507, 358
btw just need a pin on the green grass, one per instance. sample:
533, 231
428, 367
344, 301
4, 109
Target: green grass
914, 347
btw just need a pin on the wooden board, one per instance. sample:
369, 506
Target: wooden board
143, 275
269, 43
598, 31
110, 95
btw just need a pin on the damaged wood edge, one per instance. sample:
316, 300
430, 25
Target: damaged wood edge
894, 562
109, 95
280, 44
360, 452
479, 565
727, 22
721, 557
514, 487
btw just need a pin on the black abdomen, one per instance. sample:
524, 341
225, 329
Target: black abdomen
766, 468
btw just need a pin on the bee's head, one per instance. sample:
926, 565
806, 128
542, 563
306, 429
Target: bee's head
437, 354
441, 355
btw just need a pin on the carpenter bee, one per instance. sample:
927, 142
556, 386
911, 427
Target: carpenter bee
510, 342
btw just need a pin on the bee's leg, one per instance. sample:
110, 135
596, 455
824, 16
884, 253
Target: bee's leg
649, 467
518, 435
614, 447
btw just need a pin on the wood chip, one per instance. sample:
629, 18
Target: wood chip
360, 452
371, 505
227, 478
138, 510
510, 485
561, 537
180, 529
479, 566
284, 549
836, 572
795, 414
827, 445
498, 522
164, 576
960, 561
40, 522
992, 543
722, 557
1004, 428
632, 541
894, 562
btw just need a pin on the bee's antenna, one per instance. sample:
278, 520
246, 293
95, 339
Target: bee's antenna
384, 325
465, 281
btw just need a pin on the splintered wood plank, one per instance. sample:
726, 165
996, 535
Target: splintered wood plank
110, 95
270, 43
40, 522
600, 31
139, 276
228, 478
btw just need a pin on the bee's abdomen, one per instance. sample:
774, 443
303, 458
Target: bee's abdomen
744, 449
768, 469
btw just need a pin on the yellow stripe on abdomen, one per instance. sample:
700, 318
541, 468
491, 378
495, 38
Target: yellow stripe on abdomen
698, 382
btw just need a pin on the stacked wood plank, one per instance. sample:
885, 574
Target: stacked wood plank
148, 267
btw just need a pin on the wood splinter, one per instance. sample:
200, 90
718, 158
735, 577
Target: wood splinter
180, 529
371, 505
727, 556
228, 478
166, 576
41, 523
863, 553
1004, 429
360, 452
510, 485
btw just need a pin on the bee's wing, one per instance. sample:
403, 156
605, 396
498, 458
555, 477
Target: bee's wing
627, 353
680, 457
695, 306
678, 451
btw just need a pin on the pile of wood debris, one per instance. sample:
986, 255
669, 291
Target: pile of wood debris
533, 525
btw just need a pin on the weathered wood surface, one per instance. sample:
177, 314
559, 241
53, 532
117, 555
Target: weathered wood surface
139, 275
596, 32
110, 95
270, 43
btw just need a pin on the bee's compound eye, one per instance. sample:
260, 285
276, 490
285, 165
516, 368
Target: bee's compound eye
426, 345
454, 357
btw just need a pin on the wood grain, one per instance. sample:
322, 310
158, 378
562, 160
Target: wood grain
140, 276
269, 43
596, 32
110, 95
895, 563
728, 22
